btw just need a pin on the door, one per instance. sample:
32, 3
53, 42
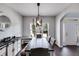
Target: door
70, 33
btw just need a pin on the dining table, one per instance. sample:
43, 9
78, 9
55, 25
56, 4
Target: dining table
38, 43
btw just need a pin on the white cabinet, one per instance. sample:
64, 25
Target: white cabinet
3, 51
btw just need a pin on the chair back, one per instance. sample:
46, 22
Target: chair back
39, 52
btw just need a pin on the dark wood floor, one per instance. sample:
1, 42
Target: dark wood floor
66, 51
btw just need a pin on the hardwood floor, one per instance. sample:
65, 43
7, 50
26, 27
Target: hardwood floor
66, 51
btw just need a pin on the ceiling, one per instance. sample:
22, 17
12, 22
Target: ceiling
45, 9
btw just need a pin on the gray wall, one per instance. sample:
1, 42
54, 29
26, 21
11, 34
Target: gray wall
28, 20
16, 22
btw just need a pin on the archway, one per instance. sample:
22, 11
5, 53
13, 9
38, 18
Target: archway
69, 20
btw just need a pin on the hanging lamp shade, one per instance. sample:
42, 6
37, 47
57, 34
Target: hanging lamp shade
38, 19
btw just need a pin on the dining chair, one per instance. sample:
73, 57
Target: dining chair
39, 52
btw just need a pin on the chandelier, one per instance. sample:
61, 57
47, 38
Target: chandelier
38, 19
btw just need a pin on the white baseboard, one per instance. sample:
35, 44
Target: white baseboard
59, 45
77, 44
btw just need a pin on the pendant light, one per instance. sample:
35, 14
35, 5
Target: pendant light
38, 19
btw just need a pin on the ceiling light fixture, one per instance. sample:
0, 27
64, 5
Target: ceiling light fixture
38, 19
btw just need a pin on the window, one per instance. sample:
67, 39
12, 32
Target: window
44, 29
32, 29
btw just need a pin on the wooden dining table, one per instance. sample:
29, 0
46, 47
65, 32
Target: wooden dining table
37, 43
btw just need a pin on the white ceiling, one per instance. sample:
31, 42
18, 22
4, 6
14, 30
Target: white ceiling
45, 9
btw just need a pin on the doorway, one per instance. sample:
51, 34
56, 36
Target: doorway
70, 32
